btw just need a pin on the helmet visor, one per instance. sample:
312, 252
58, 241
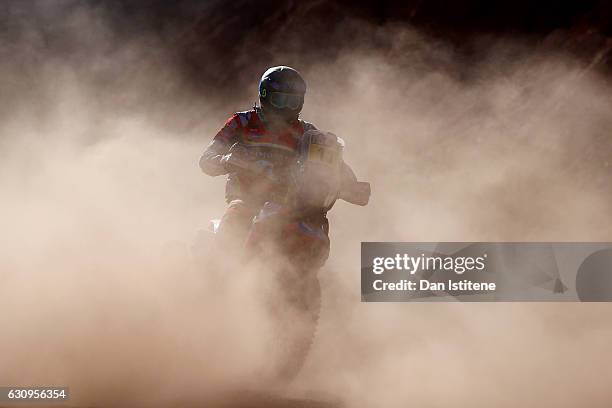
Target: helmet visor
283, 100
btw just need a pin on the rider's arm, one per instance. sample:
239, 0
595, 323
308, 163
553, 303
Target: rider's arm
351, 190
212, 162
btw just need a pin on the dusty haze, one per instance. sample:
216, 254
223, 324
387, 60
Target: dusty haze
102, 196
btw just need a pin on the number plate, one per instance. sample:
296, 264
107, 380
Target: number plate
325, 154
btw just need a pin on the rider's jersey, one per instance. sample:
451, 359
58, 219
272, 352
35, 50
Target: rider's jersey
273, 149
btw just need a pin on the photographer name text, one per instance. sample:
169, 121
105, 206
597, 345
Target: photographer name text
413, 264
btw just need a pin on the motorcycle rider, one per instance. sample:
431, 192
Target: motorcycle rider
256, 148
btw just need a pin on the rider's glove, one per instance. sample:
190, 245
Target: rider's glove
227, 161
356, 193
234, 160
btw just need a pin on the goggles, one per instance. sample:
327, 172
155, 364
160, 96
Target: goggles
282, 100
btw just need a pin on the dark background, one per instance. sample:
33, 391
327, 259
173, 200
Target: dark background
214, 41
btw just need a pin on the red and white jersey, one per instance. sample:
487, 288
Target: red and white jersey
274, 148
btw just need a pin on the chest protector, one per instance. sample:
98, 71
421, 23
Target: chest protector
278, 148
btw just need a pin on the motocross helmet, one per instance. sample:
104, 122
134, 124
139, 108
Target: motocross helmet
281, 93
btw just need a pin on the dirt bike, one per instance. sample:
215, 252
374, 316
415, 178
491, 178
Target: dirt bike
289, 236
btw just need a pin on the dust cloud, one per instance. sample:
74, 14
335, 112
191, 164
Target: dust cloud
102, 198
